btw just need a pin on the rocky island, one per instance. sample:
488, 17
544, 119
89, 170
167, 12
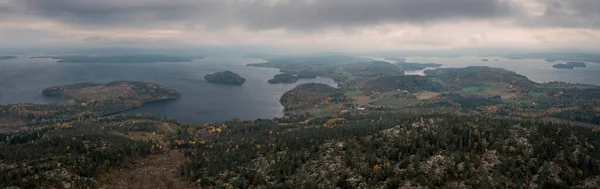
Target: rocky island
225, 77
7, 57
283, 78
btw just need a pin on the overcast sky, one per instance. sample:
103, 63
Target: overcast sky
311, 24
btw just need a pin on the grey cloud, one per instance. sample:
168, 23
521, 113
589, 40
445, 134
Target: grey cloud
295, 14
108, 13
263, 14
567, 13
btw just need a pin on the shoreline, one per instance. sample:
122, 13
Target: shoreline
144, 103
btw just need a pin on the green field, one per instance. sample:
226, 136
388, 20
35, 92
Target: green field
395, 103
323, 111
353, 94
487, 86
437, 80
535, 95
349, 75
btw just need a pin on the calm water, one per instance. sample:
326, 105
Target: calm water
21, 80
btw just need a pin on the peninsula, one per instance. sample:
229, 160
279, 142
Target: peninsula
7, 57
283, 78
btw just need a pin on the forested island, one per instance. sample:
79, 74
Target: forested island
225, 77
7, 57
138, 91
570, 65
563, 66
138, 58
283, 78
577, 64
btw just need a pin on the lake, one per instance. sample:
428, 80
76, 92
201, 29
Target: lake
21, 80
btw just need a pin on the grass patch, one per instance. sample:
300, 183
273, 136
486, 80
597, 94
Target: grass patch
349, 75
485, 87
353, 94
471, 90
395, 103
491, 86
324, 111
437, 80
535, 95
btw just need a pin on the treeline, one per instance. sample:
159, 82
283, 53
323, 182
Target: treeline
410, 83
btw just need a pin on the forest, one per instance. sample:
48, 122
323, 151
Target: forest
74, 153
391, 150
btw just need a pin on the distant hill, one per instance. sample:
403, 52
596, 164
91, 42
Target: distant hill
309, 66
559, 56
477, 75
445, 79
141, 58
373, 69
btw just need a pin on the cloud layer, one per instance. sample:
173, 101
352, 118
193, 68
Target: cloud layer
367, 23
264, 14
